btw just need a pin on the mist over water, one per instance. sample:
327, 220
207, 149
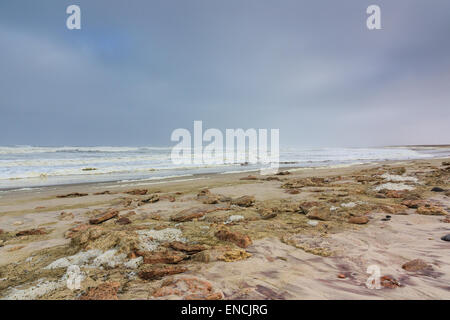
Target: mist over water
26, 166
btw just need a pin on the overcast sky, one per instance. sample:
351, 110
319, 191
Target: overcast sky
139, 69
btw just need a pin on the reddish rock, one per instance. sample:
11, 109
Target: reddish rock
389, 282
164, 257
66, 216
342, 276
72, 195
191, 213
31, 232
188, 248
157, 272
105, 291
104, 217
293, 191
358, 220
191, 288
394, 209
123, 221
137, 192
244, 201
415, 265
394, 194
237, 238
319, 213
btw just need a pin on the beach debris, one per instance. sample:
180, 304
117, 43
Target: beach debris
318, 213
415, 265
66, 216
72, 195
349, 204
446, 237
188, 248
438, 189
431, 210
104, 291
184, 288
237, 238
32, 232
157, 272
244, 201
358, 220
104, 217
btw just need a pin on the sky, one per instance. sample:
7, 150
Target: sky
137, 70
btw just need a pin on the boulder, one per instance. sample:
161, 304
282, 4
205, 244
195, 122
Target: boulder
415, 265
237, 238
358, 220
244, 201
188, 248
319, 213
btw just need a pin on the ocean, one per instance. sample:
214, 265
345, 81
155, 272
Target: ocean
27, 166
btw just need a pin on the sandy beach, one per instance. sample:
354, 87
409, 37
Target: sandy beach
301, 234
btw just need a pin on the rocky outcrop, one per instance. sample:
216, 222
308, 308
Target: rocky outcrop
319, 213
188, 248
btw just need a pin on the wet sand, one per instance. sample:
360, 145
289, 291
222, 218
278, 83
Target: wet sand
306, 234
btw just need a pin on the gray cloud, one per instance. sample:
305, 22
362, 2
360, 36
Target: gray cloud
138, 70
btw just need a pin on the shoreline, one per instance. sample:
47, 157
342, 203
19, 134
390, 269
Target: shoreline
287, 236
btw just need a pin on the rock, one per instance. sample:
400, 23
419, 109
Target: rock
188, 248
431, 210
446, 163
191, 288
283, 173
103, 192
446, 237
105, 291
394, 194
268, 216
293, 191
249, 177
72, 195
389, 282
437, 189
342, 276
244, 201
164, 257
313, 223
414, 204
152, 199
137, 192
394, 209
237, 238
31, 232
104, 217
157, 272
319, 213
190, 214
66, 216
123, 221
206, 197
305, 206
415, 265
1, 231
358, 220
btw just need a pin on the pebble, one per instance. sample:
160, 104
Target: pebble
446, 238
